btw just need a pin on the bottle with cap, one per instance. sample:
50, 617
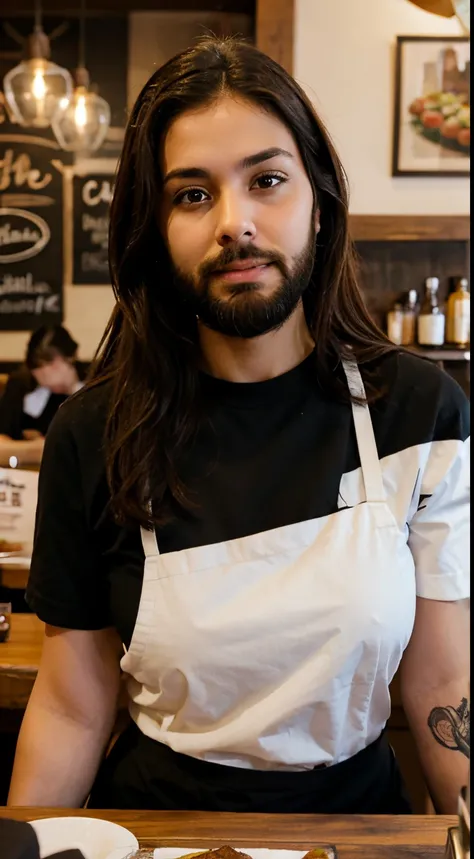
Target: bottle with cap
395, 324
458, 314
410, 309
431, 319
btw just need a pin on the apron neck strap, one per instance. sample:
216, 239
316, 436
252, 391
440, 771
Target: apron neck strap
149, 541
369, 457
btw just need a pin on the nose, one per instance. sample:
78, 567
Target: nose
235, 224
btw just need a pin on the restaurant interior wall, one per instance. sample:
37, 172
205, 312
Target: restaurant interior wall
345, 60
154, 37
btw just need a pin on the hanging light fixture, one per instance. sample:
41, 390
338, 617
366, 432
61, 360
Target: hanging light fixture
80, 124
447, 9
34, 88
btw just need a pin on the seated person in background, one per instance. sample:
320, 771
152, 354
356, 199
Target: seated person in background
35, 391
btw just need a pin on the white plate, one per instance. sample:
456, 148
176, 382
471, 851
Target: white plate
96, 838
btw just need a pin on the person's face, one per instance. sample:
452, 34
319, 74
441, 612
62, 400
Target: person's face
55, 375
238, 216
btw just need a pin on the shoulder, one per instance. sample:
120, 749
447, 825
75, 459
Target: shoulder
83, 413
420, 403
76, 432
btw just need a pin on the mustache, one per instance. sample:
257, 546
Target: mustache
228, 255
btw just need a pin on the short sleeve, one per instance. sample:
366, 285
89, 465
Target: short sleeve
439, 531
67, 586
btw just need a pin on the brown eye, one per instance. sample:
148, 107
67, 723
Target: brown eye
194, 196
267, 181
191, 197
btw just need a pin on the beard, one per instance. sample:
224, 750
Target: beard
245, 312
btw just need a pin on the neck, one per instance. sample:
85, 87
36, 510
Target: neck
260, 358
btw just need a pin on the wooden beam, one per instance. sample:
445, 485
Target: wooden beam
410, 228
71, 8
274, 30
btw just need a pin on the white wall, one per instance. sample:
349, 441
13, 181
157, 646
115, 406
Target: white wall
345, 60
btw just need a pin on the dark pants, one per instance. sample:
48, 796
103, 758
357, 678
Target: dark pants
142, 773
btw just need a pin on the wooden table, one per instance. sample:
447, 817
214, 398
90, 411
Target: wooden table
410, 837
19, 660
15, 575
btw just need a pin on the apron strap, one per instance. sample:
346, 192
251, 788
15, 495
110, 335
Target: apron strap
149, 541
369, 457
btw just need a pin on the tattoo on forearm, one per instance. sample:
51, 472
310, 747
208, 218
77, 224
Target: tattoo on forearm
450, 727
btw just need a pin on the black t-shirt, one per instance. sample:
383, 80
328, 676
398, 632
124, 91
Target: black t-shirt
268, 454
13, 418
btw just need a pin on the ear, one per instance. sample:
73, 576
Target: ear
317, 221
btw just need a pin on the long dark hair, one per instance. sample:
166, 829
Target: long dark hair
148, 350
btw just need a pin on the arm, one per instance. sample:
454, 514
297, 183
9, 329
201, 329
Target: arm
434, 677
68, 720
71, 711
435, 668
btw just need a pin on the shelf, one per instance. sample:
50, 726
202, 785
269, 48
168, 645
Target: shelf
410, 228
441, 354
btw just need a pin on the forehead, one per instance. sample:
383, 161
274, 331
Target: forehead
221, 134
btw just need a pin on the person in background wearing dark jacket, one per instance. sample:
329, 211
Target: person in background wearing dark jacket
35, 391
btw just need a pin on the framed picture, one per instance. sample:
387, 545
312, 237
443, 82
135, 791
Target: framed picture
432, 123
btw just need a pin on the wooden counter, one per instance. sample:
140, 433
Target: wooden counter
410, 837
14, 573
19, 660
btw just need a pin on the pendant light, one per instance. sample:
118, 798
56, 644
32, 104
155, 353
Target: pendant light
34, 89
447, 9
436, 7
81, 124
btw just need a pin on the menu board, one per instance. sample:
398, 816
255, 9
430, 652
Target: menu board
31, 232
92, 195
18, 498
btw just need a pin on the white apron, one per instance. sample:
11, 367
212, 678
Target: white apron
275, 651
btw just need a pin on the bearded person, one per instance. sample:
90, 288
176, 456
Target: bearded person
257, 509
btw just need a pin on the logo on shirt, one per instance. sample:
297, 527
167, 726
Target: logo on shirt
23, 234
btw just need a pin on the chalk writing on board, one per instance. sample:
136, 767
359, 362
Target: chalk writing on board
92, 197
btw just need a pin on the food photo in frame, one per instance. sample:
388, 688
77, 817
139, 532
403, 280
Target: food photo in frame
432, 117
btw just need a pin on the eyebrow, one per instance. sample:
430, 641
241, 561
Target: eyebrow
244, 164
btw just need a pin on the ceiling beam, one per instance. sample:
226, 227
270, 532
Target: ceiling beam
71, 8
274, 29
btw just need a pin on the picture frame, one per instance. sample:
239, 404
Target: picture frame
431, 131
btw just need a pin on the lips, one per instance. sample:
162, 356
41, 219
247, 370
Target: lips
244, 265
252, 272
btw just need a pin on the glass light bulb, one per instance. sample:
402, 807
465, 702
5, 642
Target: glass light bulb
82, 124
33, 90
80, 113
38, 87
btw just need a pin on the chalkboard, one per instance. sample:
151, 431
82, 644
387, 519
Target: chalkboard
31, 232
91, 200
